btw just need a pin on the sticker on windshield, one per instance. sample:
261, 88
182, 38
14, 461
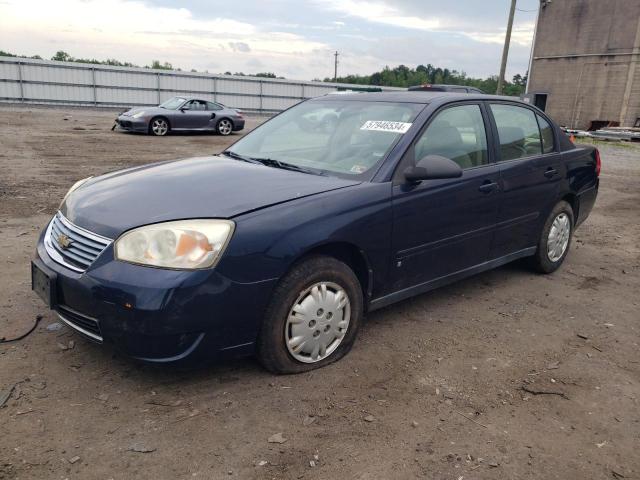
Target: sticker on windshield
385, 126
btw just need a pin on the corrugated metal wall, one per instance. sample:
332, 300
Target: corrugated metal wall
46, 82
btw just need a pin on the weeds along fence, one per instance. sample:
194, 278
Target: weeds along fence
44, 82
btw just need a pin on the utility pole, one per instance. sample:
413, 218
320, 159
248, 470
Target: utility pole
505, 50
335, 67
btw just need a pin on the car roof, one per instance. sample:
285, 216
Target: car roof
405, 96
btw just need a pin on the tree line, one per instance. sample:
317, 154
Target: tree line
62, 56
403, 76
400, 76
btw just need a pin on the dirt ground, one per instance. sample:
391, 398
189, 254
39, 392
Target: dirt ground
434, 387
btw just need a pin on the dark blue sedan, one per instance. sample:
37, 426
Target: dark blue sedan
338, 206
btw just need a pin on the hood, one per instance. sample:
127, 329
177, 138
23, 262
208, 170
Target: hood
201, 187
135, 110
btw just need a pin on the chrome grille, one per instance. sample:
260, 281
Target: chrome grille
72, 246
86, 325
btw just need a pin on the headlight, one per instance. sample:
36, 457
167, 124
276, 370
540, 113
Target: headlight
138, 115
74, 187
185, 244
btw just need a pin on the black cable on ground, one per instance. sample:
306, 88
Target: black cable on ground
24, 335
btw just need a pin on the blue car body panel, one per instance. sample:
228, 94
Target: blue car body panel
404, 238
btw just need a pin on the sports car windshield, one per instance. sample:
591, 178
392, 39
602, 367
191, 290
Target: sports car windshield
342, 138
173, 103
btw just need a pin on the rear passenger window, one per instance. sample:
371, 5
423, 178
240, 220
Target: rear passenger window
456, 133
547, 135
518, 131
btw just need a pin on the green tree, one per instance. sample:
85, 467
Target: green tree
62, 56
155, 64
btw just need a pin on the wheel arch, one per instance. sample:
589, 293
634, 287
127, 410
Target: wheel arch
349, 254
225, 118
165, 118
572, 199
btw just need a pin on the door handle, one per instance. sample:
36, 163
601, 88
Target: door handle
550, 172
488, 186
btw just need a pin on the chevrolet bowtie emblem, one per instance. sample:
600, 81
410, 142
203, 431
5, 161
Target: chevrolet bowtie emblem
64, 242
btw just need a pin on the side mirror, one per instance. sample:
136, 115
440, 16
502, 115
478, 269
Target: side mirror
184, 109
433, 167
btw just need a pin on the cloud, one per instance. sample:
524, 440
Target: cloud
239, 47
133, 31
288, 37
379, 12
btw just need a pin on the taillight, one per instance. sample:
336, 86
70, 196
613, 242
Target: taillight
598, 163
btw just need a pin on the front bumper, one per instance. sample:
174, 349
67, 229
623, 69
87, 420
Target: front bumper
131, 124
158, 315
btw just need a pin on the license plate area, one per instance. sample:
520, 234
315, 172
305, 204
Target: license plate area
43, 284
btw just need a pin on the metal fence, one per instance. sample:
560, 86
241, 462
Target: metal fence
24, 80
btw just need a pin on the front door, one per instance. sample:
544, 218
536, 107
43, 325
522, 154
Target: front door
445, 226
195, 115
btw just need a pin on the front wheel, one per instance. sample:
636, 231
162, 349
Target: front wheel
555, 239
159, 127
313, 317
225, 127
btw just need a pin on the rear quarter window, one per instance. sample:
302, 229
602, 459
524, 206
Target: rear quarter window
546, 132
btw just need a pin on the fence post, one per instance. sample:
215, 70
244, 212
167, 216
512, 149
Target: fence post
20, 80
261, 97
215, 89
95, 89
303, 96
158, 86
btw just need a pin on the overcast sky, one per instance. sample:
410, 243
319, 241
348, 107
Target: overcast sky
294, 39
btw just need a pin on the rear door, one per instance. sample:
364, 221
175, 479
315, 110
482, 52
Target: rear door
530, 174
445, 226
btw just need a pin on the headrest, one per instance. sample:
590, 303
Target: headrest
511, 136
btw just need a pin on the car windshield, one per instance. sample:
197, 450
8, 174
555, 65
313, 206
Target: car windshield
173, 103
342, 138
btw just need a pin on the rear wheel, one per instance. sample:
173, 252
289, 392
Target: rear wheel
313, 317
555, 239
225, 127
159, 127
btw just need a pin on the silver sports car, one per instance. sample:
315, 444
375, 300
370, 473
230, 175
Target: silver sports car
182, 114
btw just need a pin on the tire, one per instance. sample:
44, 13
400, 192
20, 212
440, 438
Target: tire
277, 347
548, 259
159, 126
224, 127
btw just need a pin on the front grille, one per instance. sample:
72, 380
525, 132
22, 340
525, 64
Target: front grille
72, 246
83, 324
125, 123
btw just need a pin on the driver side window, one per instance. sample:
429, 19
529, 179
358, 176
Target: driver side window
456, 133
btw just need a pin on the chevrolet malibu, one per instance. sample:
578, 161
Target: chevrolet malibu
341, 205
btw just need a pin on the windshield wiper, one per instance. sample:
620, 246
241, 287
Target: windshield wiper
270, 162
237, 156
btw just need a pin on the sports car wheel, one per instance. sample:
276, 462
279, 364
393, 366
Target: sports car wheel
159, 127
225, 127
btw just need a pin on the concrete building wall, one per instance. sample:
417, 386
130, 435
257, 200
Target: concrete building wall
585, 59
